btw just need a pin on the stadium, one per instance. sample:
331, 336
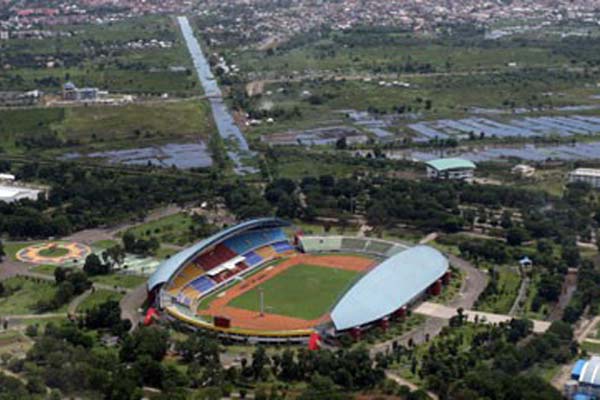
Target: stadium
253, 281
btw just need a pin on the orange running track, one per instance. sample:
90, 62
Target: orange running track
246, 319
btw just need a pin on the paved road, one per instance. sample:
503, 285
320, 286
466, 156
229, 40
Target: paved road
130, 304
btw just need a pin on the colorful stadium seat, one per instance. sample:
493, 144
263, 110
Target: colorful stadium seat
215, 257
202, 284
252, 258
282, 247
250, 240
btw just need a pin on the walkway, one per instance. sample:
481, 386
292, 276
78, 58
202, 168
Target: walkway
445, 312
401, 381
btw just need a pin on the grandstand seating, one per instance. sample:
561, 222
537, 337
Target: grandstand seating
395, 250
317, 244
378, 246
202, 284
250, 240
282, 247
216, 257
252, 258
266, 252
353, 244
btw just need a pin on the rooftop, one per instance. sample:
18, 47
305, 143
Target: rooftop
586, 172
389, 286
444, 164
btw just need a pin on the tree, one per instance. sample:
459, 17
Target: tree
516, 236
94, 266
114, 256
150, 341
60, 274
2, 252
259, 361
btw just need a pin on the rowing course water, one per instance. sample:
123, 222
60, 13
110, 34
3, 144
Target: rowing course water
225, 123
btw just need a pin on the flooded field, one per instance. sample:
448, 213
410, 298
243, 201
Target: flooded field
527, 127
530, 152
182, 156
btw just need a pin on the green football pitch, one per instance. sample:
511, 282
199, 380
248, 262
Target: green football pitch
302, 291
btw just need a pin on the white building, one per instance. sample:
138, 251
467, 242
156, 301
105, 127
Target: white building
587, 175
10, 194
523, 170
450, 168
4, 35
7, 177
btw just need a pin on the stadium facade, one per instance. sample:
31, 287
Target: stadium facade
401, 276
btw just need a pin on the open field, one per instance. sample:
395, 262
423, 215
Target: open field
121, 280
303, 291
12, 248
98, 297
501, 300
173, 229
103, 127
24, 296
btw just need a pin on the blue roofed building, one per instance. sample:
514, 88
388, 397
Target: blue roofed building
585, 380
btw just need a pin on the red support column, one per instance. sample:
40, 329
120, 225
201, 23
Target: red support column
446, 278
436, 288
356, 333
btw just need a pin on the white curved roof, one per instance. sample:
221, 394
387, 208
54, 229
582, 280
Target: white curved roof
389, 286
590, 373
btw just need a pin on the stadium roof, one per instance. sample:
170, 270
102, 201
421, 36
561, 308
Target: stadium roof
590, 372
172, 264
444, 164
389, 286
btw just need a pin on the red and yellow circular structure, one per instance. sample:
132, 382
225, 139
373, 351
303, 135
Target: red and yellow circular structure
56, 253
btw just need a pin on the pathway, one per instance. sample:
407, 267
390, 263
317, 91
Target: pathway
131, 303
520, 296
401, 381
445, 312
74, 304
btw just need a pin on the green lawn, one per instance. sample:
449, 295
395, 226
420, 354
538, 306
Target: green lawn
174, 229
591, 347
12, 248
303, 291
507, 289
54, 252
126, 281
44, 269
25, 294
98, 297
104, 244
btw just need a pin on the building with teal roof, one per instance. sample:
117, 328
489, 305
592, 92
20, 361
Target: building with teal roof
450, 168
